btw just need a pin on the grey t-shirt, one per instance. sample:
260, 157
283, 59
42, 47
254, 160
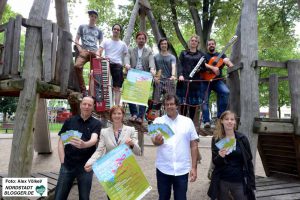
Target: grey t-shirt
165, 64
89, 36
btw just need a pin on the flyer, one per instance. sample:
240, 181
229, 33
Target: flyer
164, 129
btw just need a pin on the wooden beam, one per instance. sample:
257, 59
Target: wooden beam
294, 83
53, 49
59, 57
42, 141
66, 60
271, 64
37, 23
273, 126
46, 54
15, 62
273, 96
9, 33
11, 85
280, 78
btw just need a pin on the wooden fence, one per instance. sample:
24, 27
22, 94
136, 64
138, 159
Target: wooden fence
56, 53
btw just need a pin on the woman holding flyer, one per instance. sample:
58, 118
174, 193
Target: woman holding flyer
231, 155
114, 136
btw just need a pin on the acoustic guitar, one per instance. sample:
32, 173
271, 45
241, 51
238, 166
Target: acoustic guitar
217, 61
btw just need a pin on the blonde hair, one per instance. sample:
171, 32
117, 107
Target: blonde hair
197, 38
219, 132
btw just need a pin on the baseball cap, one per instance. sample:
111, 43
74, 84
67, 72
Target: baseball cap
93, 12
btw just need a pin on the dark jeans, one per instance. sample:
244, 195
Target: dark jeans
137, 110
65, 182
165, 182
222, 97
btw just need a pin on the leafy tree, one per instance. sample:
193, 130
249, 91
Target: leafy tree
8, 105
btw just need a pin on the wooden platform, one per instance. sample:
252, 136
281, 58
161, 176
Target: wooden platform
277, 188
52, 181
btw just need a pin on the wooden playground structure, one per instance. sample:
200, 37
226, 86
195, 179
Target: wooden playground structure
47, 72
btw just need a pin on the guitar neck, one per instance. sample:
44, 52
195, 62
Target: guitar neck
222, 53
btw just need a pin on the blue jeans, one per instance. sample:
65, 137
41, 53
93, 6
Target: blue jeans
65, 182
165, 182
222, 97
137, 110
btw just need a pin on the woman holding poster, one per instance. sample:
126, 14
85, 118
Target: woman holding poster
114, 136
231, 155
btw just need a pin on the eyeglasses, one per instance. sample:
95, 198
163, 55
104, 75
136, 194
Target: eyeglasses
116, 29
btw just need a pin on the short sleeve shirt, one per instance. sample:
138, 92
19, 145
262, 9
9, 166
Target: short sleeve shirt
73, 155
174, 156
114, 50
164, 63
89, 37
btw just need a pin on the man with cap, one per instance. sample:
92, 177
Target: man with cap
89, 35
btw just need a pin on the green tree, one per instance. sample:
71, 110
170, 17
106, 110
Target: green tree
8, 105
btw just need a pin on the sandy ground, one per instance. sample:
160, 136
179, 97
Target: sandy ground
50, 162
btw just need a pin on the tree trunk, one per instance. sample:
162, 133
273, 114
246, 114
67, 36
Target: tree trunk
131, 23
249, 75
24, 126
154, 26
143, 19
2, 7
4, 117
233, 80
299, 4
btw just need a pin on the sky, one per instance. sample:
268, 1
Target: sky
78, 18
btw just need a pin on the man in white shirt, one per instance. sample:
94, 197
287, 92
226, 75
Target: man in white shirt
115, 49
173, 162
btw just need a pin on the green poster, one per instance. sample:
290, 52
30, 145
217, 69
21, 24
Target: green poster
120, 175
137, 86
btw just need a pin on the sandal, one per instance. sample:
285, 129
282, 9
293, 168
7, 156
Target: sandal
133, 118
139, 120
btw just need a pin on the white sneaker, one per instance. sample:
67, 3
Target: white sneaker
207, 125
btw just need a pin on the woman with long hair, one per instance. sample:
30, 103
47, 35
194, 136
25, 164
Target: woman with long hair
233, 173
189, 92
114, 136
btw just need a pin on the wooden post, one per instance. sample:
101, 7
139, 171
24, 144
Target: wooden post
66, 60
22, 148
293, 67
130, 28
273, 96
233, 80
9, 34
42, 141
249, 75
2, 6
46, 38
16, 46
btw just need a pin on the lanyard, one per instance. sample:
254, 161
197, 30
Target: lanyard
117, 138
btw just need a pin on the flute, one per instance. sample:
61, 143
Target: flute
196, 67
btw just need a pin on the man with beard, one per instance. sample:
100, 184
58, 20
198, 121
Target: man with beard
217, 85
140, 58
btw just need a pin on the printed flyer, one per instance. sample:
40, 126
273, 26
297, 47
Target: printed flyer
228, 143
120, 175
164, 129
68, 135
137, 87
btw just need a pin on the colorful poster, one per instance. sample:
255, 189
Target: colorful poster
68, 135
120, 175
137, 86
164, 129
